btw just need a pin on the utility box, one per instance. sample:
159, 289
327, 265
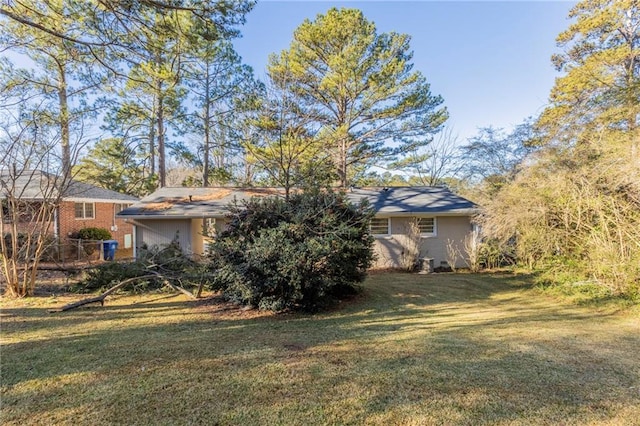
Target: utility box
425, 265
109, 248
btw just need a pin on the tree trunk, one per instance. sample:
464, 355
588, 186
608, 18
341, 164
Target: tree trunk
207, 125
152, 140
161, 142
342, 172
64, 121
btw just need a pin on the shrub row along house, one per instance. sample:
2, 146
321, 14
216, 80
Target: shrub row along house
74, 205
409, 222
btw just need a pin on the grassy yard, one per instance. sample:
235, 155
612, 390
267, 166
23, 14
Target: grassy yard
411, 350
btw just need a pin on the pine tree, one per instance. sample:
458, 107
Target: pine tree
358, 88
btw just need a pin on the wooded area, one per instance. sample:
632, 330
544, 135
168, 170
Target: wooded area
153, 94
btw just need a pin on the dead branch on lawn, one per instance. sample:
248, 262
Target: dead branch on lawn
119, 286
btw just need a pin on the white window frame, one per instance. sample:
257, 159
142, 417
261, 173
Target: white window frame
434, 231
388, 219
84, 211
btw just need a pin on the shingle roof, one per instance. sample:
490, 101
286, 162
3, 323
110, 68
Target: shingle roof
37, 185
78, 189
413, 199
212, 202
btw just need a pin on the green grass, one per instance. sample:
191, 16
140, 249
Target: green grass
412, 349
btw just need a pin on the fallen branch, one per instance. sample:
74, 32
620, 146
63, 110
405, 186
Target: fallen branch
102, 296
180, 289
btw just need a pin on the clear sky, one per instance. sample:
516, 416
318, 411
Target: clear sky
489, 60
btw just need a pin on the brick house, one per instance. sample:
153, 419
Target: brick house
78, 205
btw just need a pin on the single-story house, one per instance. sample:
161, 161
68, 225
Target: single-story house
443, 219
77, 205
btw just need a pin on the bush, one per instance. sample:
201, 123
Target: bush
97, 234
296, 254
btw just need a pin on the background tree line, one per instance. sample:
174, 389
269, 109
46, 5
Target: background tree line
173, 97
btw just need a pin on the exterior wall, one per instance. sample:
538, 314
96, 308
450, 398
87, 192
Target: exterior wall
450, 228
104, 217
389, 249
163, 231
197, 239
25, 223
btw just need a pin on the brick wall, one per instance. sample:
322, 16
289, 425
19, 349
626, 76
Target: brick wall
104, 217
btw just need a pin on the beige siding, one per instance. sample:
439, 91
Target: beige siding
197, 240
390, 249
450, 228
200, 242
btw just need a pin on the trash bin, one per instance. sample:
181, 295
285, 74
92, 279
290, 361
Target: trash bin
109, 249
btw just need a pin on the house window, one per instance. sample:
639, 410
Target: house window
379, 226
427, 226
84, 210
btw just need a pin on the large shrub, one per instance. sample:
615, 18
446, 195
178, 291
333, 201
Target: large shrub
93, 233
295, 254
90, 237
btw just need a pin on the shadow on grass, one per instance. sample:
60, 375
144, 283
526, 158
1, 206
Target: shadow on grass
462, 348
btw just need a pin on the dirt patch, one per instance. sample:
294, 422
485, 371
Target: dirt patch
219, 308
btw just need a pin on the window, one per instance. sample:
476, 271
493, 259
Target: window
427, 225
379, 226
84, 211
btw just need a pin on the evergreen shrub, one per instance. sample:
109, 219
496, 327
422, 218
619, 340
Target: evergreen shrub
299, 254
93, 233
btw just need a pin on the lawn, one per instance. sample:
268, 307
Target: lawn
412, 349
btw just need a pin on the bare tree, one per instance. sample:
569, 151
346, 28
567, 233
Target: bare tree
29, 197
432, 163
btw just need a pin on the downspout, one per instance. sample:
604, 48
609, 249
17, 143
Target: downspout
56, 234
56, 226
134, 243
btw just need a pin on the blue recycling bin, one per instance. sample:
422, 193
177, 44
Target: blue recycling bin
109, 248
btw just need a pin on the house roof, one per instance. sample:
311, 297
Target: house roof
171, 203
38, 185
82, 190
413, 200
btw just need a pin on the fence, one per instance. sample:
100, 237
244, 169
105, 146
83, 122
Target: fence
79, 250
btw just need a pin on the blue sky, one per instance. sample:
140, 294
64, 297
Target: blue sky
490, 61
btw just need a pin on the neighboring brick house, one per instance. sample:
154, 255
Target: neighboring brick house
86, 205
80, 205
